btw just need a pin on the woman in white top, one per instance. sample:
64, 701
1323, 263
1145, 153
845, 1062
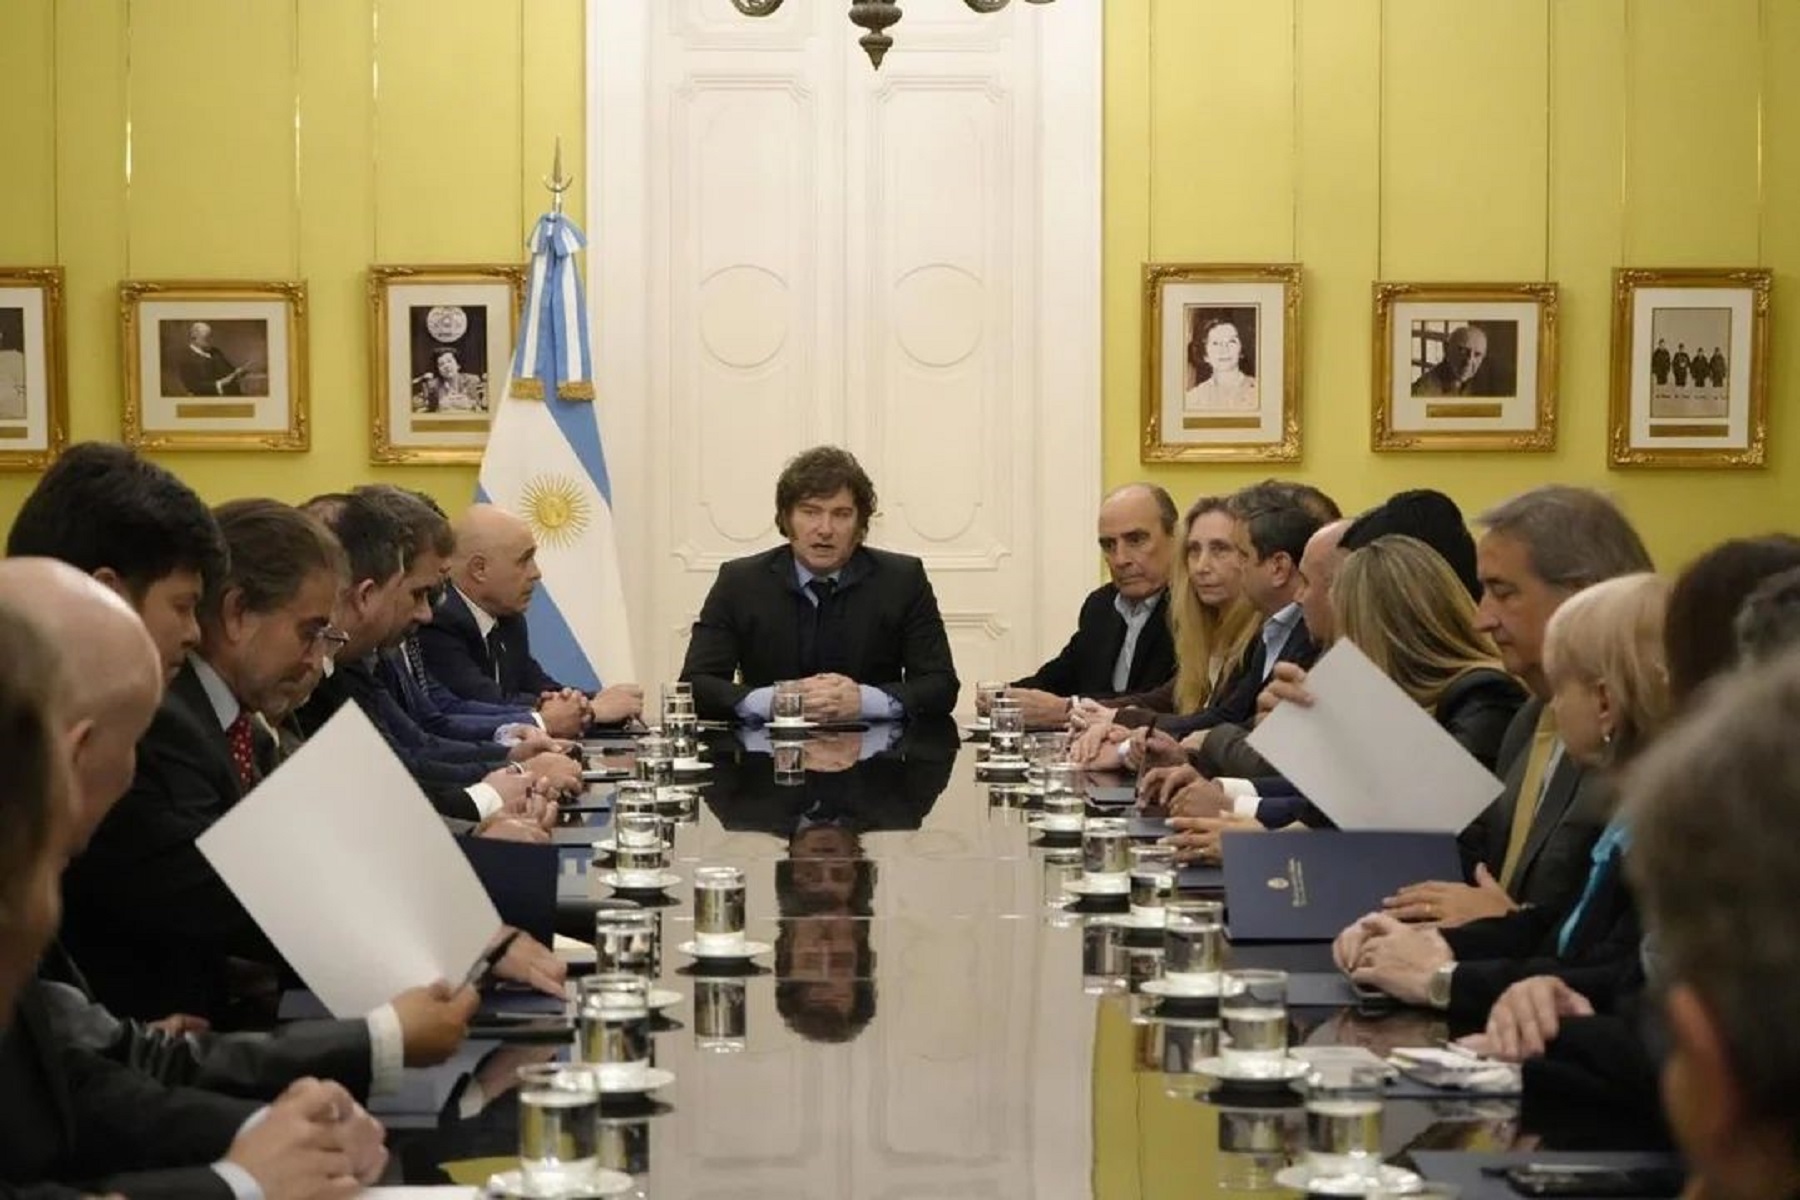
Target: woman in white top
1227, 388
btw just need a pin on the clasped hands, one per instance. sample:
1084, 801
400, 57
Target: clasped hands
831, 697
314, 1141
568, 713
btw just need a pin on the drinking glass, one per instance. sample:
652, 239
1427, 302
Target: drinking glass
1064, 798
1253, 1015
559, 1109
634, 795
628, 941
789, 704
986, 693
1042, 749
638, 851
613, 1029
1253, 1146
1186, 1043
656, 761
678, 721
1006, 731
718, 908
1103, 962
1061, 868
1193, 945
1105, 854
790, 763
677, 694
1152, 882
1343, 1125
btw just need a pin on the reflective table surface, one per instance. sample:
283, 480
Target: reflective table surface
932, 1020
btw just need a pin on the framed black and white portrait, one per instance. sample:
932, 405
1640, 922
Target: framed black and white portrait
1221, 363
439, 341
1462, 366
34, 416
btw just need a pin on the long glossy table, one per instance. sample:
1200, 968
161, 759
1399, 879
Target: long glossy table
932, 1022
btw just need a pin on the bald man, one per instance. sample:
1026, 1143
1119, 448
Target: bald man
477, 644
1465, 350
1122, 641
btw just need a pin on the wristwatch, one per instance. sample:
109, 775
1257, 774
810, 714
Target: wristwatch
1437, 989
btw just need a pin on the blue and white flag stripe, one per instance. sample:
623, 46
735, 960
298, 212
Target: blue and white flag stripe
544, 462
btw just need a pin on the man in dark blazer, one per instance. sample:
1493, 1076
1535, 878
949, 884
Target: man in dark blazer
1122, 641
478, 644
858, 628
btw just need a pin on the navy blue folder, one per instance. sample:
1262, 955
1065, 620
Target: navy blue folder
520, 879
1306, 887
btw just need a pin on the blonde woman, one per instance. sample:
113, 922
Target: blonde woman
1604, 659
1211, 623
1402, 605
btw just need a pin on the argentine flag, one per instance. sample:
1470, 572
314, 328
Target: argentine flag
544, 463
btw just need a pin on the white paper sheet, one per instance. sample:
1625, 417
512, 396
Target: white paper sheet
1369, 757
343, 862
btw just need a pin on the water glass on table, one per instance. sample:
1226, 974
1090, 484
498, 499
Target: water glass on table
986, 692
788, 706
1253, 1022
718, 909
559, 1110
1152, 883
613, 1029
1105, 854
1343, 1125
1006, 731
1065, 798
628, 941
656, 761
1193, 946
638, 851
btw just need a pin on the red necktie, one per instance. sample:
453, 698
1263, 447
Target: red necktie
243, 750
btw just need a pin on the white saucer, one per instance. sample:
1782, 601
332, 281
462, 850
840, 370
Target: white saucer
1303, 1177
691, 766
512, 1183
802, 723
743, 950
1040, 824
1290, 1070
1158, 920
606, 844
1166, 990
654, 1077
663, 881
1081, 885
664, 998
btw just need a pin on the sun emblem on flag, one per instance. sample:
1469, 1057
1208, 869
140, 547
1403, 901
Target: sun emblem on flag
556, 508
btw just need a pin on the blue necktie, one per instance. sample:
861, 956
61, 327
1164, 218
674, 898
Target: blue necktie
1607, 853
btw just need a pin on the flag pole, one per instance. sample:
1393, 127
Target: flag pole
557, 183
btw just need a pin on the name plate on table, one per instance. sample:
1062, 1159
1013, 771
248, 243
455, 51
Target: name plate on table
1306, 887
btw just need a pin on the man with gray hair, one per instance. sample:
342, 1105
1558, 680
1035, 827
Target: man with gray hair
1531, 845
1713, 807
1769, 621
1122, 641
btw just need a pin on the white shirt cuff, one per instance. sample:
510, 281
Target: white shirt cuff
487, 800
472, 1100
387, 1051
539, 718
243, 1185
1242, 794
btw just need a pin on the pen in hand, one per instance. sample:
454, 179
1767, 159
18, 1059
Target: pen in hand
487, 962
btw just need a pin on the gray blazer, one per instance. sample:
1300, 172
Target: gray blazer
1574, 810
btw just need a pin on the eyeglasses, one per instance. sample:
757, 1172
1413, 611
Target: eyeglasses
329, 636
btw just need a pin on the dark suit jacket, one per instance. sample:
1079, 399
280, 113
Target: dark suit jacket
256, 1066
73, 1117
1574, 810
1085, 666
889, 636
1234, 702
457, 657
144, 913
441, 778
1495, 953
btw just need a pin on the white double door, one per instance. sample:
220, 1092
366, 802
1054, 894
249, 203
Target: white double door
789, 248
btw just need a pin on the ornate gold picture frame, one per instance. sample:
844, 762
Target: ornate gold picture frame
1221, 362
215, 364
34, 368
439, 341
1690, 369
1464, 366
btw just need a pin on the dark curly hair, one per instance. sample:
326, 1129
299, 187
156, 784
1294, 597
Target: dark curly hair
818, 474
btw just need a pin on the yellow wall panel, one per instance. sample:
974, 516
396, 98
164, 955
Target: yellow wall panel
210, 91
1463, 159
1222, 145
1693, 139
447, 129
556, 30
27, 140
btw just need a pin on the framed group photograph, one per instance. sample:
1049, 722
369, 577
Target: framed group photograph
34, 415
1464, 366
215, 365
439, 342
1221, 363
1690, 368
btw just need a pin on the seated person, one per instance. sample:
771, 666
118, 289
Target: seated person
1211, 625
1121, 641
76, 1122
1399, 602
858, 628
1605, 664
478, 645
